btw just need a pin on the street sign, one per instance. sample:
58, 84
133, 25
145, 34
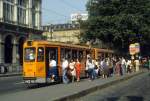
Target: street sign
132, 49
137, 47
77, 16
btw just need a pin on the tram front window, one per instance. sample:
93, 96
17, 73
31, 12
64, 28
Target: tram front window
29, 54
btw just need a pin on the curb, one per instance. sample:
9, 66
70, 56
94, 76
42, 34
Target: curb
76, 95
8, 75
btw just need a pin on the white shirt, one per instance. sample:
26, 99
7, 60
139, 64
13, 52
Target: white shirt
65, 64
90, 65
123, 62
52, 63
72, 66
129, 63
87, 61
137, 63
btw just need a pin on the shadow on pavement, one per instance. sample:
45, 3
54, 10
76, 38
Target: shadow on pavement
35, 86
135, 98
112, 99
129, 98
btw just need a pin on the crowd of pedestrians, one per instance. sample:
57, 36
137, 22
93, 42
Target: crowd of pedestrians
95, 68
71, 70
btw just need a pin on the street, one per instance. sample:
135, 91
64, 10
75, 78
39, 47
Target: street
11, 84
135, 89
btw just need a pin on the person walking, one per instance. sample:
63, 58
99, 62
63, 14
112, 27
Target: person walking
105, 69
90, 67
123, 66
128, 66
53, 70
72, 70
96, 68
78, 69
118, 67
64, 69
149, 63
137, 65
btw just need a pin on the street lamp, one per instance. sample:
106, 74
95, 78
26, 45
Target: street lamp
51, 31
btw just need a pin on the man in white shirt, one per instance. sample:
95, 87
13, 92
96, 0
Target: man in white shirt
123, 66
128, 66
137, 65
65, 65
53, 69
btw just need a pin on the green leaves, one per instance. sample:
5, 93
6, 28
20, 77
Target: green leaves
120, 22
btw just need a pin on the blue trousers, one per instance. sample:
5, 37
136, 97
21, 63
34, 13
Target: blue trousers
65, 78
53, 71
91, 73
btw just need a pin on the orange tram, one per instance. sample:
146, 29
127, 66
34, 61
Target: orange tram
36, 55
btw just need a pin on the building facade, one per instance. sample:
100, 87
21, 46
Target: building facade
67, 33
19, 19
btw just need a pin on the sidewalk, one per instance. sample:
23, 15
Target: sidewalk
66, 92
11, 74
87, 87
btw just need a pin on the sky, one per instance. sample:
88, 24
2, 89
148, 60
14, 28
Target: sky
59, 11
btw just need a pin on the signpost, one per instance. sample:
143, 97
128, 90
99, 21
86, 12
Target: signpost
137, 47
134, 48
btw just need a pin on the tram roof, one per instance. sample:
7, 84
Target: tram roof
104, 50
43, 42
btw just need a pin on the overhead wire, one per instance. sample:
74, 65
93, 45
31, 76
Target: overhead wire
60, 14
56, 13
70, 5
52, 11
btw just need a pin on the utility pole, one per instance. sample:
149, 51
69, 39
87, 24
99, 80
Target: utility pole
51, 31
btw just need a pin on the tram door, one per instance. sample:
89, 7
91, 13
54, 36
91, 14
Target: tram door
51, 54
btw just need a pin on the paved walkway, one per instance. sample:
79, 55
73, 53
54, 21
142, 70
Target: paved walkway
10, 74
65, 92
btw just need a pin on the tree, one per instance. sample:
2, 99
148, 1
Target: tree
120, 22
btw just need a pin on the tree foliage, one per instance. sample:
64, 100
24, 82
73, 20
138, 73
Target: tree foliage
120, 22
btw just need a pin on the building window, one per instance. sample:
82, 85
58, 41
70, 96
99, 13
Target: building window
22, 3
34, 12
21, 14
33, 18
8, 10
11, 1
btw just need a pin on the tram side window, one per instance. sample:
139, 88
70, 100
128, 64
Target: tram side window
29, 54
66, 53
80, 55
40, 55
74, 54
52, 54
62, 53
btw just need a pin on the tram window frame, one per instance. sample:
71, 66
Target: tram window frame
68, 53
52, 53
74, 54
27, 55
62, 53
80, 55
40, 57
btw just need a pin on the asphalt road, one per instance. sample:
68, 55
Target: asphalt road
11, 84
135, 89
